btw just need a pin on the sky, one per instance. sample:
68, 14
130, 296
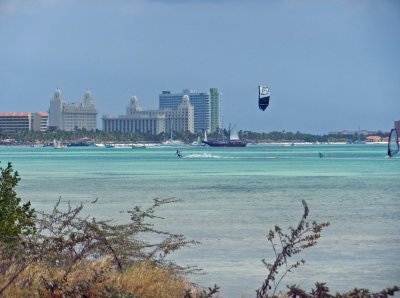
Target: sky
330, 65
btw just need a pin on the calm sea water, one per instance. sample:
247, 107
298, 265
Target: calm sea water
232, 197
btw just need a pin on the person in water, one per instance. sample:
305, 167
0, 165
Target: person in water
178, 153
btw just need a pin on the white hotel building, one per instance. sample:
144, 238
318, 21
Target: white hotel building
151, 121
72, 116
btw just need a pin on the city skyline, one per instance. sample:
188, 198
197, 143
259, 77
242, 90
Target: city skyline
101, 115
330, 65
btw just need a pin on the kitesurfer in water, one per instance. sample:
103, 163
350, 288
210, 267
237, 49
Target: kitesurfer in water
178, 153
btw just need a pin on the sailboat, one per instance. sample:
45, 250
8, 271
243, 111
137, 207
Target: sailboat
171, 141
199, 141
393, 143
233, 141
358, 141
57, 144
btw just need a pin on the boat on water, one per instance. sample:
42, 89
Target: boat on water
138, 146
81, 142
199, 141
233, 141
58, 145
173, 143
78, 144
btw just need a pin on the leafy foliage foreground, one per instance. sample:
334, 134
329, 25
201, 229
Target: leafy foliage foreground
64, 254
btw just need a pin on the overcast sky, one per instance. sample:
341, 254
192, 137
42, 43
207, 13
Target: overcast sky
330, 65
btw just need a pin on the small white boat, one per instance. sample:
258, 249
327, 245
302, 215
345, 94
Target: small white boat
58, 145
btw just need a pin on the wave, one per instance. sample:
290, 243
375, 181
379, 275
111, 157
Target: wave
204, 155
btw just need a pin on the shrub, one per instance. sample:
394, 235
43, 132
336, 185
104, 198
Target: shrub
15, 219
66, 250
285, 246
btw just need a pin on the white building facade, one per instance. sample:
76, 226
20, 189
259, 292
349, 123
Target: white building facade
181, 119
40, 121
71, 116
151, 121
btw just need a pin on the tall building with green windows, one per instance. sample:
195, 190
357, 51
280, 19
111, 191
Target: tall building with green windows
207, 107
215, 109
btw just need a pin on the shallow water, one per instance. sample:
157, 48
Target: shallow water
232, 197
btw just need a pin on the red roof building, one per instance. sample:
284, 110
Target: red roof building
12, 122
374, 139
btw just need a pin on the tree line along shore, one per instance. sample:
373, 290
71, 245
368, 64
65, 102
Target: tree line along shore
85, 137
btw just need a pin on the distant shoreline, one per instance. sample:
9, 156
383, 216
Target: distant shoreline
144, 145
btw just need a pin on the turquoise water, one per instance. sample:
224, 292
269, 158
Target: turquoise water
232, 197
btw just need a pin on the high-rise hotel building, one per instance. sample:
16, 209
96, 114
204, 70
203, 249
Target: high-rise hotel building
216, 109
72, 116
151, 121
207, 107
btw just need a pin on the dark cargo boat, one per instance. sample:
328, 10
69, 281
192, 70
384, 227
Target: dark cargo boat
233, 141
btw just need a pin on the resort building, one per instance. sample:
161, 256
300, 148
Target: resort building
40, 121
182, 119
215, 109
207, 107
151, 121
354, 132
12, 122
374, 139
135, 120
72, 116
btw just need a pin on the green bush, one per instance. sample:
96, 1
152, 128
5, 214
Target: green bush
16, 219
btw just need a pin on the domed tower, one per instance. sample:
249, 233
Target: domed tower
185, 104
87, 98
57, 94
185, 100
133, 106
185, 113
56, 106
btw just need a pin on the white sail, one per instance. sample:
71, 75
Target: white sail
57, 144
233, 135
393, 143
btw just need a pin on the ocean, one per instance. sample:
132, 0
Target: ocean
231, 197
